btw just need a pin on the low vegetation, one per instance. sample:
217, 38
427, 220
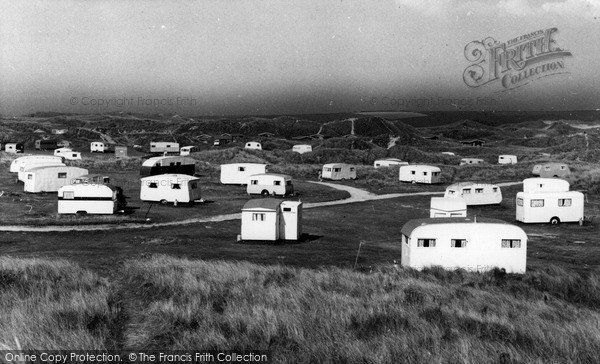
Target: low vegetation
302, 315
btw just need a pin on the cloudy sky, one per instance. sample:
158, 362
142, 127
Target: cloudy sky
284, 57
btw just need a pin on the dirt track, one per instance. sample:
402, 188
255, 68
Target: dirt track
356, 195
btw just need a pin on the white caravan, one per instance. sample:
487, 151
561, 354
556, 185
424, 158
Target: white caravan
447, 207
99, 147
238, 173
187, 150
302, 148
83, 198
420, 174
547, 170
166, 188
388, 162
271, 219
168, 165
270, 184
474, 245
67, 153
253, 145
338, 171
32, 159
51, 178
25, 168
164, 147
468, 161
550, 207
507, 159
14, 148
474, 193
545, 185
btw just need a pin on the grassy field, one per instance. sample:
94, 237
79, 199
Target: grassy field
302, 315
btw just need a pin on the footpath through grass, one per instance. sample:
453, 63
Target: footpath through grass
301, 315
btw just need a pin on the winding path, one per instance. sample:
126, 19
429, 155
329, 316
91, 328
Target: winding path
356, 195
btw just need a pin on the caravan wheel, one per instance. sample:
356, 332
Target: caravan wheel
164, 202
81, 213
265, 193
555, 220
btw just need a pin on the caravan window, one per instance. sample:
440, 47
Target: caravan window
537, 203
175, 186
424, 173
495, 189
241, 169
413, 172
466, 191
153, 185
436, 173
519, 202
258, 216
327, 169
564, 202
254, 182
479, 190
287, 209
563, 167
68, 195
289, 183
337, 169
30, 176
450, 192
351, 169
511, 243
62, 175
458, 243
193, 185
426, 243
547, 168
277, 183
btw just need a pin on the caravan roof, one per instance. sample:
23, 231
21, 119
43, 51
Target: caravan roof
263, 203
411, 225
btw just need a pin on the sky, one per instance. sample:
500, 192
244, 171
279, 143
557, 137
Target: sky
266, 57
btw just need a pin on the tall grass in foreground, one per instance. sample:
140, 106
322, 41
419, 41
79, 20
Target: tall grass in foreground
336, 315
301, 315
52, 305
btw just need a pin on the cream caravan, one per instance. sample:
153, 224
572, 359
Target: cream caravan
271, 219
550, 207
253, 145
474, 245
545, 185
25, 168
469, 161
507, 159
67, 153
302, 148
389, 162
187, 150
166, 188
420, 174
270, 184
475, 193
338, 171
551, 170
83, 198
238, 173
51, 178
164, 147
33, 159
168, 164
99, 147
